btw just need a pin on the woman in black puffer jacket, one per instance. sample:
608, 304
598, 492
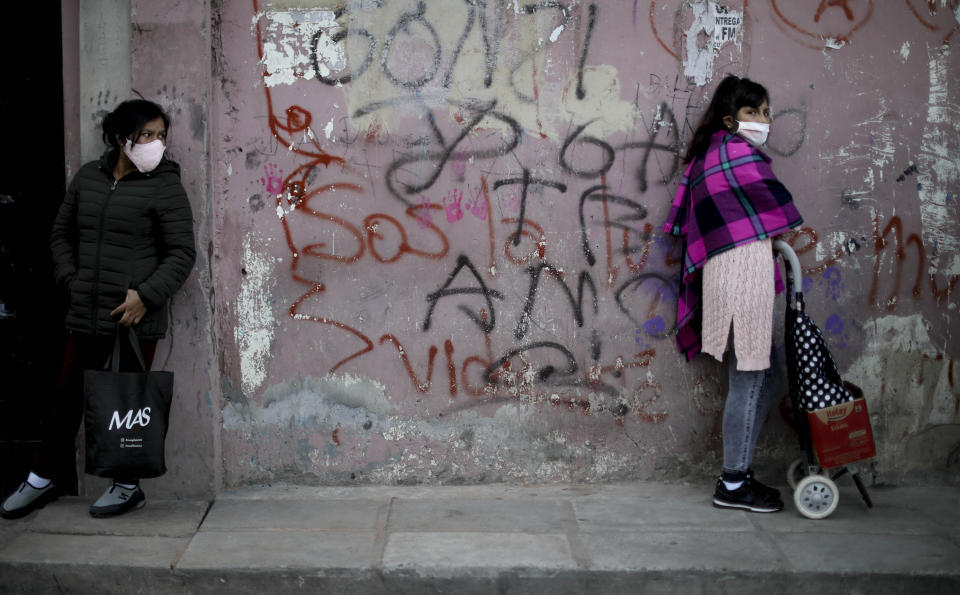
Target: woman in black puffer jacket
122, 245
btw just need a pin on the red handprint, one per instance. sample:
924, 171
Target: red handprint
478, 206
273, 180
452, 203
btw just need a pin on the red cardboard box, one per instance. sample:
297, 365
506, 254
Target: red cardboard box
841, 434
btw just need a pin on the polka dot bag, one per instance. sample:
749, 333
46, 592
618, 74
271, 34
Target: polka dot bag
814, 379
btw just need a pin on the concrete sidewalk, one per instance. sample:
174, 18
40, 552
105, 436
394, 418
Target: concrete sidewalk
619, 538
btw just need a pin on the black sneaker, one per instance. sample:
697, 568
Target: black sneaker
763, 489
26, 498
746, 497
117, 500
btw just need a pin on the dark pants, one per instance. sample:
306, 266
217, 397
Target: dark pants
65, 409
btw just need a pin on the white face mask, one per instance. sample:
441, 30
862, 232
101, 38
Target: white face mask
755, 133
145, 157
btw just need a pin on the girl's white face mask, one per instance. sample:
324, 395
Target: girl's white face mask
145, 157
754, 133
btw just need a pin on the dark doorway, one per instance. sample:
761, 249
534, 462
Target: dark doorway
31, 189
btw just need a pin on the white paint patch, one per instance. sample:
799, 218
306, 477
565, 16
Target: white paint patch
905, 51
328, 129
361, 404
721, 26
698, 63
951, 268
833, 44
608, 112
286, 45
328, 401
881, 138
902, 334
556, 34
939, 169
255, 322
903, 380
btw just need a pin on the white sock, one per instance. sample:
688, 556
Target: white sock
36, 481
732, 485
125, 486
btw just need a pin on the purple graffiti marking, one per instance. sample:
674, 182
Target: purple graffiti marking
835, 326
834, 281
273, 179
655, 327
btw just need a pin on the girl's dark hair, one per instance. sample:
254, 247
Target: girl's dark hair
732, 94
129, 118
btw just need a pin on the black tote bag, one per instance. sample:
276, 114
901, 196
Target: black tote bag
126, 415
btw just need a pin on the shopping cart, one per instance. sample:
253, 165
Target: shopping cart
830, 415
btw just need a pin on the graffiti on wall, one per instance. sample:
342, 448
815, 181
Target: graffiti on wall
483, 160
464, 201
535, 200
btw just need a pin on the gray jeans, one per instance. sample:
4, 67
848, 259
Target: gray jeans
748, 401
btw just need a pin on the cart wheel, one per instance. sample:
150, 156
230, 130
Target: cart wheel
795, 472
816, 496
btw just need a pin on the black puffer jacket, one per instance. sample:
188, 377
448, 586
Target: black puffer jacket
110, 236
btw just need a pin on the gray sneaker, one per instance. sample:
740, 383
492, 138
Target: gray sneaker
26, 498
117, 500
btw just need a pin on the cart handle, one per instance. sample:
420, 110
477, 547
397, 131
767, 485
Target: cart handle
793, 270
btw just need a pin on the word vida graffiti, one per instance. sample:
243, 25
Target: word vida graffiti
142, 419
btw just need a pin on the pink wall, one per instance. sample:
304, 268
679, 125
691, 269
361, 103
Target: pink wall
399, 209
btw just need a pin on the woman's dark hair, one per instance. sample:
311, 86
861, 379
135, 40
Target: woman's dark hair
732, 94
129, 118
